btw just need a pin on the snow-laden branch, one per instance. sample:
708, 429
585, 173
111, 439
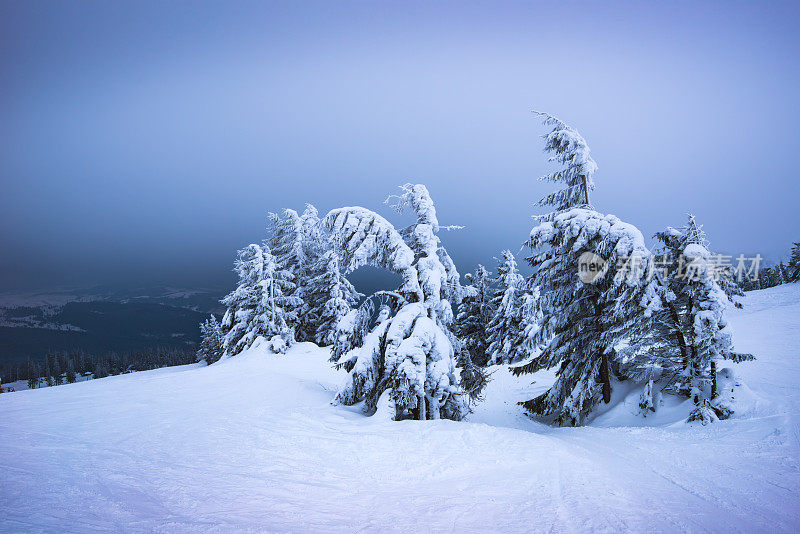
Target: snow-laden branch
365, 238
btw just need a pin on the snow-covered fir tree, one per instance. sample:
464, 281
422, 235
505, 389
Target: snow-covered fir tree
56, 371
289, 251
693, 233
588, 319
334, 293
584, 318
312, 235
474, 315
411, 355
505, 332
438, 277
70, 376
793, 267
781, 273
686, 335
258, 306
315, 244
211, 341
767, 277
353, 328
532, 327
568, 147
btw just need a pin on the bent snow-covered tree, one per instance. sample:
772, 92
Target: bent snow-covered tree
410, 355
586, 320
569, 148
583, 320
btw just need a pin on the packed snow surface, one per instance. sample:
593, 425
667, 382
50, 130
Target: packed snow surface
253, 443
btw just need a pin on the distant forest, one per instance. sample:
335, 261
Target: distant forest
72, 366
96, 328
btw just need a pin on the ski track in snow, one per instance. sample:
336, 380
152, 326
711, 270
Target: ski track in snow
253, 444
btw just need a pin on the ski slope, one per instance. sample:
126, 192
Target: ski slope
253, 444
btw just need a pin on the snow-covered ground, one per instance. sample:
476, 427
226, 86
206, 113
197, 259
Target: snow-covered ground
252, 443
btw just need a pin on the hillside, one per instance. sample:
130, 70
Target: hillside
254, 443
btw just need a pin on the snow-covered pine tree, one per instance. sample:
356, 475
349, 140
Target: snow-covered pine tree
711, 340
693, 233
584, 319
353, 328
793, 267
684, 338
315, 243
569, 148
58, 378
313, 238
71, 378
34, 371
505, 331
781, 273
258, 306
211, 341
335, 294
286, 242
438, 277
532, 327
410, 355
587, 319
474, 315
766, 277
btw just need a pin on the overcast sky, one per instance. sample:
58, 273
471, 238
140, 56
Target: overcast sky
144, 141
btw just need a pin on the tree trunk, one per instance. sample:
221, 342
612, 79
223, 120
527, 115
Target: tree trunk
423, 409
693, 373
585, 188
434, 406
713, 379
678, 332
605, 378
272, 299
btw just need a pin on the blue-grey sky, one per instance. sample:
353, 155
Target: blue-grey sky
146, 141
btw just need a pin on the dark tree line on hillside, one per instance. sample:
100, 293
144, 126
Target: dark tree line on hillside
68, 366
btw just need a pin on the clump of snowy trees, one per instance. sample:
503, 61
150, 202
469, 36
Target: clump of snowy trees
629, 319
685, 337
599, 306
293, 287
410, 356
290, 288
